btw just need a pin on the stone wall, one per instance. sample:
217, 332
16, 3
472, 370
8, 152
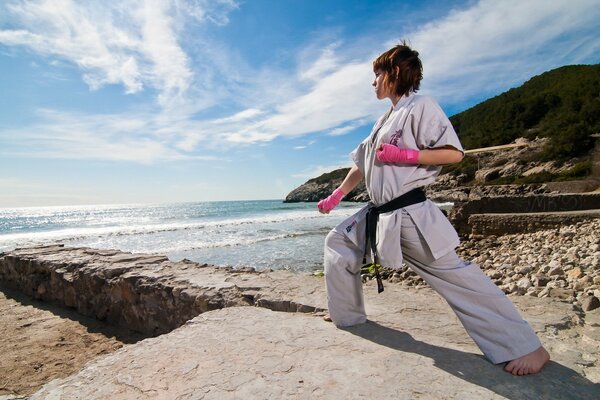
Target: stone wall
502, 224
542, 203
146, 293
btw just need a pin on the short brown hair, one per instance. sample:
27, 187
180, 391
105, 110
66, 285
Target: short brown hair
402, 68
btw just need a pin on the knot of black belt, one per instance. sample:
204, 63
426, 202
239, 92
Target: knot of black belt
412, 197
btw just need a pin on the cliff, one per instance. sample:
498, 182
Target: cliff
319, 188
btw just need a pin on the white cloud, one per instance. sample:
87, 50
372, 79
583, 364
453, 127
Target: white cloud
86, 37
8, 185
485, 46
98, 137
244, 115
340, 98
215, 11
130, 43
349, 127
326, 63
496, 44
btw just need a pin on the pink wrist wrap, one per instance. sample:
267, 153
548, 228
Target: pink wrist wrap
388, 153
330, 202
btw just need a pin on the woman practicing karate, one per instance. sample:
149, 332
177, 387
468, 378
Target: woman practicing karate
403, 153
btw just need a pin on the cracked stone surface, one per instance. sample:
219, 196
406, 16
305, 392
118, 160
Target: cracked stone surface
413, 346
419, 351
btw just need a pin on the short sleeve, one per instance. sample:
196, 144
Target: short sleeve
432, 128
358, 155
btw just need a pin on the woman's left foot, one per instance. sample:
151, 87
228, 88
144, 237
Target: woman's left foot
531, 363
327, 318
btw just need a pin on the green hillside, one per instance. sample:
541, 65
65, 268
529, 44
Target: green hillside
562, 104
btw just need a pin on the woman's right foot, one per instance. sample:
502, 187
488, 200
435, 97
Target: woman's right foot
531, 363
327, 318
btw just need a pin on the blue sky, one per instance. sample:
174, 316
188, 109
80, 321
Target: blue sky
153, 101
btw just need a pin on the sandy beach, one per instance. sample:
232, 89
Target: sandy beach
41, 341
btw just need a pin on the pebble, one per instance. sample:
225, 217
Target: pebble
561, 262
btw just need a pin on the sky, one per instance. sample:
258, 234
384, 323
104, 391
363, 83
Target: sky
150, 101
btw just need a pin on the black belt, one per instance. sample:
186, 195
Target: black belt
413, 197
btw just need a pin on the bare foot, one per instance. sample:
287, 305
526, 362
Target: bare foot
531, 363
327, 318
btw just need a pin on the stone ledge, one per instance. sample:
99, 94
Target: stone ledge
503, 224
519, 205
146, 293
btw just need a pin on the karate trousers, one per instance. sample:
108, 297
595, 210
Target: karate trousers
489, 317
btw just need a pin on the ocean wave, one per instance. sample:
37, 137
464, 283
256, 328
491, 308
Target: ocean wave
10, 240
240, 242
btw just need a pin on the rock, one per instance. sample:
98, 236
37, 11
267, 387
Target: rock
511, 169
533, 291
523, 270
590, 303
546, 167
556, 271
510, 288
507, 267
494, 274
540, 280
583, 283
563, 294
574, 273
322, 186
272, 352
523, 284
457, 188
487, 174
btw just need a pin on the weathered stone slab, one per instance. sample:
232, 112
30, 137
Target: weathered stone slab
256, 353
146, 293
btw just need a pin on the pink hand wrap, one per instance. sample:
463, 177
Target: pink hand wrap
388, 153
333, 200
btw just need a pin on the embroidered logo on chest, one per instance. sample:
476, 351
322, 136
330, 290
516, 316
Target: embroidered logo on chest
396, 137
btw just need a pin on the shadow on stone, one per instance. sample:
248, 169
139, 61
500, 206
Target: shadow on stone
93, 325
554, 382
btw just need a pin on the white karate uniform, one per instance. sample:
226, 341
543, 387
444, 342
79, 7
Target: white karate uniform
420, 235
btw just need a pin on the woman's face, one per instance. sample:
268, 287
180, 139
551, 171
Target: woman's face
381, 91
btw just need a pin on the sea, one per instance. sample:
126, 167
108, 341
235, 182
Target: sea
261, 234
